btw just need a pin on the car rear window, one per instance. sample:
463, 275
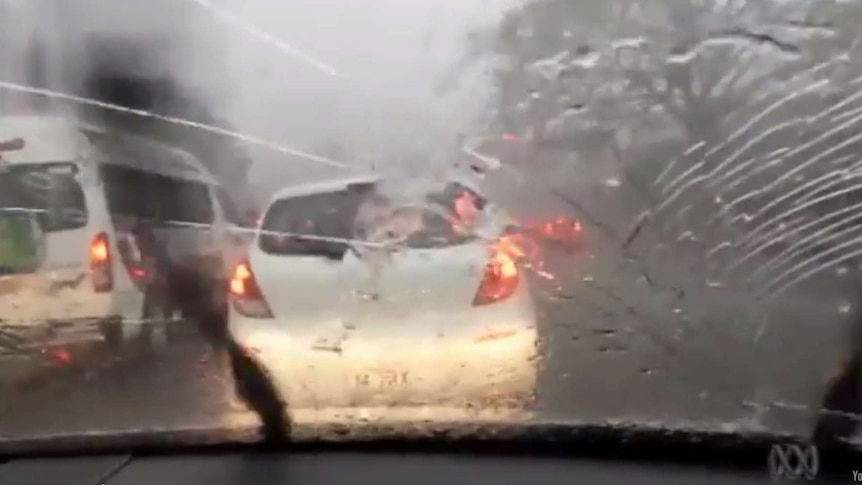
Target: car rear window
450, 217
428, 229
296, 226
51, 191
300, 225
456, 198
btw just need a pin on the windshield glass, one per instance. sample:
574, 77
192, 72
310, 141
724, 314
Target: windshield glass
284, 224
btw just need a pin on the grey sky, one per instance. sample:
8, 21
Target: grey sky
391, 56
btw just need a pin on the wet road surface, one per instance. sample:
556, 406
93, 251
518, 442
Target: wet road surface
611, 368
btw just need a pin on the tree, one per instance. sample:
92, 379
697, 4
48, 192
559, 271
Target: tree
687, 66
742, 93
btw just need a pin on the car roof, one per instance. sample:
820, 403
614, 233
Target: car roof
335, 185
60, 140
172, 162
332, 185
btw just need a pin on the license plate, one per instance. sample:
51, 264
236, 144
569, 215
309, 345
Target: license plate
381, 379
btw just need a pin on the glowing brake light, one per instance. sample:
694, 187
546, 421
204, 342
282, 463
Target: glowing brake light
99, 250
246, 297
100, 264
60, 356
241, 275
501, 276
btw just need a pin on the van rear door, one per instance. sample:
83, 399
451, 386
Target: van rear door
44, 263
180, 211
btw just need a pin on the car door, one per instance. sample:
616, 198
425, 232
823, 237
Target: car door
304, 264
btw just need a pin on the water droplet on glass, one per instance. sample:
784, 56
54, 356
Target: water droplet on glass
686, 236
575, 108
682, 57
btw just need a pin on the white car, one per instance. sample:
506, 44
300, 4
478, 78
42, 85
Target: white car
446, 319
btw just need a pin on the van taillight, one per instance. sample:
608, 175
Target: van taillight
246, 297
100, 264
501, 276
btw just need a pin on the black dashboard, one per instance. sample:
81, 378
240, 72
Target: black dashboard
307, 468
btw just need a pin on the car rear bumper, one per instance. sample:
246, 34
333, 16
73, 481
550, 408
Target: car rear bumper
498, 372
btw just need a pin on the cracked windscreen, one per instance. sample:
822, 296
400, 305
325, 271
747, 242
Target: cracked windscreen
329, 219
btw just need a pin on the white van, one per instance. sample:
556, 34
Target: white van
91, 190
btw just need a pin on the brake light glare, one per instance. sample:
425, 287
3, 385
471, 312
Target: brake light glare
101, 271
501, 276
245, 294
99, 250
60, 356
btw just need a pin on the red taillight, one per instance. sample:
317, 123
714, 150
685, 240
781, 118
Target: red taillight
60, 356
501, 276
100, 264
245, 294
